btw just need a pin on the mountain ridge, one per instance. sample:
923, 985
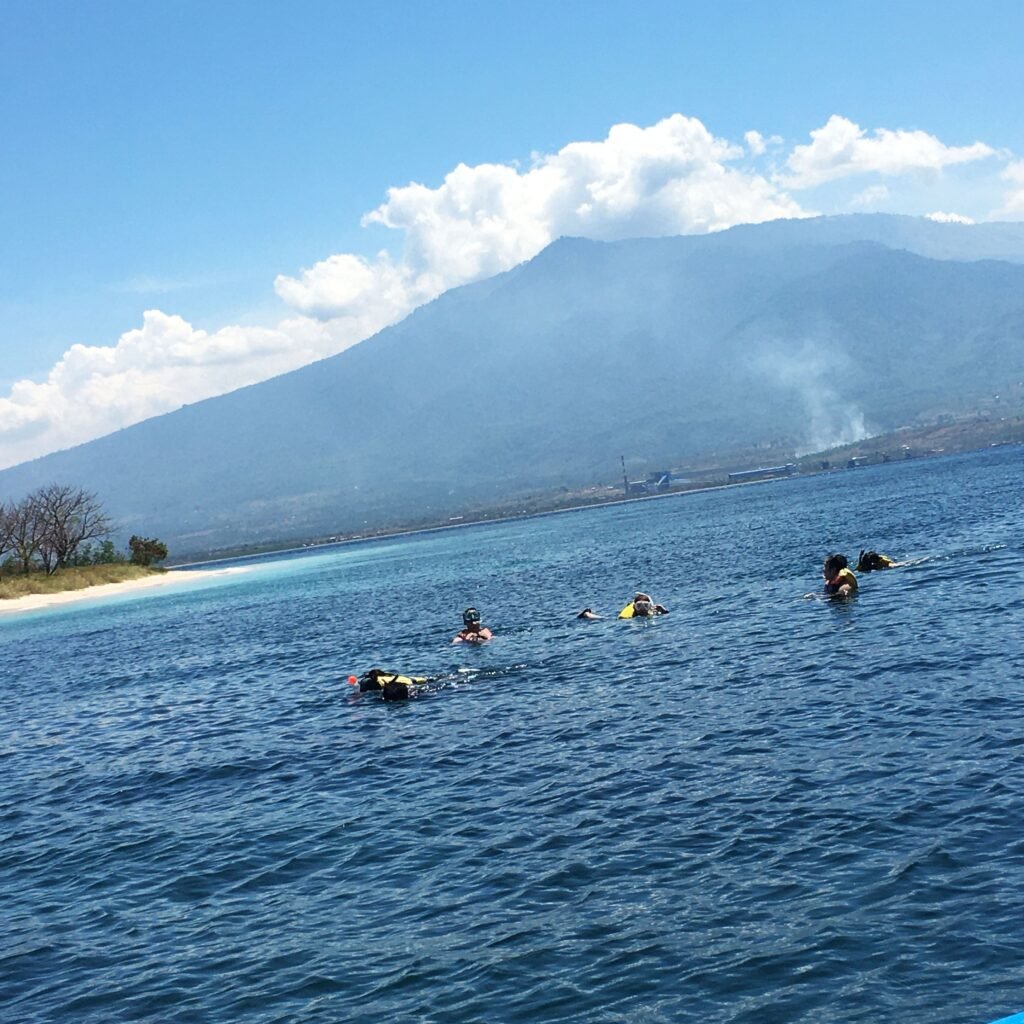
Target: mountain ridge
650, 348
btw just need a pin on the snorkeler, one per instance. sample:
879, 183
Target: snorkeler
869, 561
642, 606
839, 580
588, 613
472, 631
391, 685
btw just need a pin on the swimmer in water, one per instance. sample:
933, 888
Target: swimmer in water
642, 606
839, 580
472, 631
391, 685
587, 613
870, 561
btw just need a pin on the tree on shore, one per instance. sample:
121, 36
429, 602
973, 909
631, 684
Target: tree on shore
103, 553
6, 527
69, 516
23, 532
52, 529
146, 550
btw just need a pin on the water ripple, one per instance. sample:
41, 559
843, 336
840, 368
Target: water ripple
756, 808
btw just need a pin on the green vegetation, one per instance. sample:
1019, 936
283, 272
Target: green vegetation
146, 550
72, 579
46, 544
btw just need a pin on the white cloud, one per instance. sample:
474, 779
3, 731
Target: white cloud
842, 148
94, 390
755, 142
353, 286
758, 144
1013, 201
673, 177
949, 218
870, 198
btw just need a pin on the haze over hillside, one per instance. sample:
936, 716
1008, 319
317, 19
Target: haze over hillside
807, 332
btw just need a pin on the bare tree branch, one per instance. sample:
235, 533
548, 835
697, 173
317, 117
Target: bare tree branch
70, 516
25, 535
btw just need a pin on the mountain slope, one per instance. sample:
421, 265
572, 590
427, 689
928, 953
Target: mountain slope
802, 331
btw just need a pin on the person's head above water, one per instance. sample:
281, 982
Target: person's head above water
834, 564
869, 561
473, 630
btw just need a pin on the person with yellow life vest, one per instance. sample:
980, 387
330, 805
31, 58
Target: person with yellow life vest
642, 606
391, 685
839, 580
870, 561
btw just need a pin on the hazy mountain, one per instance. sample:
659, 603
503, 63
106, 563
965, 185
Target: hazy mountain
806, 331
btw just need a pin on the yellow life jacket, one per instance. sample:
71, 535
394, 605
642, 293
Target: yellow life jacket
630, 611
843, 578
869, 561
376, 680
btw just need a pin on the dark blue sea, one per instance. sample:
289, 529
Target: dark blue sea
759, 808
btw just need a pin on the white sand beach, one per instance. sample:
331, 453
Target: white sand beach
33, 602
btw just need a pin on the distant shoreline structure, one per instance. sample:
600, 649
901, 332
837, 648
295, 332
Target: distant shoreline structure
811, 465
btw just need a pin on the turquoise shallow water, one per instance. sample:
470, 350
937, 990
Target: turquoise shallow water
758, 808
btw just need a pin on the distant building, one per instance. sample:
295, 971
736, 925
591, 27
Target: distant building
763, 472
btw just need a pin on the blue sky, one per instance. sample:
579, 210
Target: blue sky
212, 163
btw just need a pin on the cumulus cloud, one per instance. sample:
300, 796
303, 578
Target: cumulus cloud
755, 142
943, 217
674, 177
842, 148
94, 390
352, 286
758, 144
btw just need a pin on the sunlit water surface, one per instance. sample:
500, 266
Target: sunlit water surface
758, 808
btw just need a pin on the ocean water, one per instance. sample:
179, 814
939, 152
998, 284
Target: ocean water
758, 808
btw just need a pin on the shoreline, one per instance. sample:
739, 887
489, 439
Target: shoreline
315, 547
38, 602
804, 463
